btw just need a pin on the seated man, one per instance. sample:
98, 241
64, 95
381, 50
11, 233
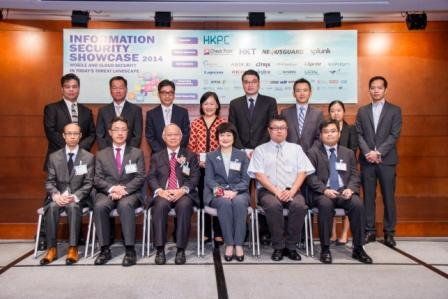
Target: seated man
173, 178
280, 168
336, 185
119, 177
69, 181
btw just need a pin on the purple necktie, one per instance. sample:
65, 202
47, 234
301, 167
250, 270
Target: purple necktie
118, 160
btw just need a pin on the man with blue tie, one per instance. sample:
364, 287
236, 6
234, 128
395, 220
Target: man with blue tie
379, 125
336, 184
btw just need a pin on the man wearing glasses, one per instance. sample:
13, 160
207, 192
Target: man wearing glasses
119, 177
280, 167
163, 115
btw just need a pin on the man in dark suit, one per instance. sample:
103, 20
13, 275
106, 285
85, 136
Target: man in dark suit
336, 185
119, 107
251, 113
119, 177
303, 120
68, 185
378, 125
164, 114
65, 111
173, 178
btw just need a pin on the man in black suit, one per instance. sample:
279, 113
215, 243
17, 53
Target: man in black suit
378, 125
251, 113
303, 120
173, 177
335, 184
119, 107
164, 114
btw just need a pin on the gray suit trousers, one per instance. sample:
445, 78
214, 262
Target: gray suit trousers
232, 216
126, 210
51, 214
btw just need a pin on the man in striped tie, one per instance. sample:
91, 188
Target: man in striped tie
173, 178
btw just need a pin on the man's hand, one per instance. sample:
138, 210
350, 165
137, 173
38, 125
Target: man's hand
284, 195
175, 194
229, 194
118, 192
347, 194
330, 193
373, 157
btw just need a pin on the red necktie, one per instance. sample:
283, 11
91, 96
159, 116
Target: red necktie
172, 179
118, 160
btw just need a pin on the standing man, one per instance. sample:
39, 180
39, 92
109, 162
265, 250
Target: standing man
251, 113
69, 181
119, 177
335, 184
119, 107
303, 120
379, 125
173, 178
280, 168
163, 115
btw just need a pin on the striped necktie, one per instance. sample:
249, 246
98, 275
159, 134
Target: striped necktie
301, 119
172, 179
74, 113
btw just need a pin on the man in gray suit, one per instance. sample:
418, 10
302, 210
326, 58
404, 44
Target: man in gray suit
69, 181
119, 177
336, 185
119, 107
303, 120
173, 178
378, 125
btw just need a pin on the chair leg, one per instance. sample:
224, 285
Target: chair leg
198, 229
39, 222
93, 239
203, 230
89, 228
310, 224
257, 232
213, 231
144, 232
252, 223
306, 235
148, 236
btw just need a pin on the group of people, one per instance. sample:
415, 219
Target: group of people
298, 160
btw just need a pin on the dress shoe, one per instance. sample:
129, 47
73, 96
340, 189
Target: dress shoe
130, 258
104, 256
228, 258
160, 257
72, 255
277, 255
360, 255
389, 240
180, 257
219, 241
340, 243
292, 254
325, 257
239, 250
239, 258
50, 256
369, 237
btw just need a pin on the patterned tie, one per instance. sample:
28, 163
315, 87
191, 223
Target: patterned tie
118, 160
167, 116
280, 168
70, 162
334, 180
301, 119
251, 108
118, 110
172, 179
74, 113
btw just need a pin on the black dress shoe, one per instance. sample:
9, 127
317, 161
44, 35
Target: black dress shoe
277, 255
180, 257
389, 240
103, 257
130, 258
228, 258
325, 257
369, 237
360, 255
292, 254
160, 257
239, 258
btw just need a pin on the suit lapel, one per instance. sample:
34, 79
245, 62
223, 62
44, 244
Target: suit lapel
324, 155
64, 110
295, 120
63, 165
245, 108
370, 115
383, 113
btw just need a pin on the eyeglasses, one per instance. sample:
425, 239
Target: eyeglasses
250, 82
72, 134
302, 90
329, 131
119, 130
166, 93
278, 128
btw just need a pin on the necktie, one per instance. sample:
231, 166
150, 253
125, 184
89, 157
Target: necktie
301, 119
251, 108
118, 160
376, 115
70, 162
74, 113
280, 168
172, 179
334, 180
118, 110
167, 116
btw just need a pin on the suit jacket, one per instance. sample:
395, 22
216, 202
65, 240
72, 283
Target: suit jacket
59, 179
155, 124
386, 136
131, 112
319, 158
349, 137
106, 173
57, 116
159, 172
215, 174
310, 131
252, 133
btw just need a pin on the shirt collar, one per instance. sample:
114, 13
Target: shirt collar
254, 97
170, 107
69, 103
379, 103
171, 151
274, 144
122, 147
75, 151
327, 148
119, 105
302, 105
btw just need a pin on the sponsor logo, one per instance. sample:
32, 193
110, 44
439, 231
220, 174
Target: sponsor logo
312, 63
249, 51
187, 40
289, 72
212, 51
263, 64
213, 72
319, 51
216, 39
185, 82
184, 64
282, 51
184, 52
311, 72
